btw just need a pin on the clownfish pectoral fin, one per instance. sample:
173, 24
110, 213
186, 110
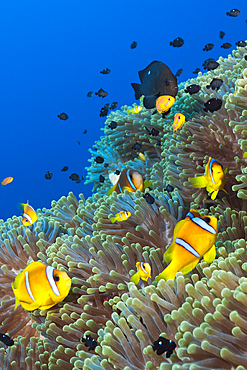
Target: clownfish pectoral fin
113, 219
210, 255
111, 190
169, 272
135, 278
148, 184
16, 299
189, 267
167, 257
199, 181
214, 194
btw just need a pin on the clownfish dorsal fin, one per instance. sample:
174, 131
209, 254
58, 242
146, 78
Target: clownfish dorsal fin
210, 255
113, 178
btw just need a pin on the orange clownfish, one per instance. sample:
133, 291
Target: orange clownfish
178, 122
7, 180
121, 216
128, 179
29, 214
164, 103
143, 272
213, 179
40, 286
193, 238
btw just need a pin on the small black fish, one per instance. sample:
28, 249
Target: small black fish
74, 177
106, 165
101, 178
79, 142
82, 177
177, 43
107, 106
149, 199
78, 181
101, 93
233, 13
154, 132
63, 116
136, 146
133, 45
6, 339
103, 112
158, 143
215, 84
114, 105
117, 172
222, 34
208, 47
192, 89
196, 70
105, 71
163, 345
65, 168
112, 125
48, 175
85, 131
211, 65
156, 80
90, 342
226, 45
89, 94
179, 71
212, 105
241, 43
169, 188
99, 159
245, 57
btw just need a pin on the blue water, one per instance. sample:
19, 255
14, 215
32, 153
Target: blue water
52, 53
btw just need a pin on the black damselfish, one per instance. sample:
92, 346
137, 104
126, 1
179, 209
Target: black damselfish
149, 199
192, 89
156, 80
163, 345
6, 339
90, 342
212, 105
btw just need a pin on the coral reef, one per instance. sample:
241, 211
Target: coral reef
203, 312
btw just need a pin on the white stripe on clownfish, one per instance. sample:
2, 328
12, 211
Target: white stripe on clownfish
28, 218
187, 246
50, 278
28, 286
203, 224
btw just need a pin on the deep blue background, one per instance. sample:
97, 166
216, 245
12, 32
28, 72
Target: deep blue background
52, 53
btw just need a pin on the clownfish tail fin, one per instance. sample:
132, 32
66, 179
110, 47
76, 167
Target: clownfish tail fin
113, 219
199, 181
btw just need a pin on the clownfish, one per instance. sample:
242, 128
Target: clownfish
178, 122
213, 179
29, 214
164, 103
143, 272
136, 109
40, 286
7, 180
193, 238
121, 216
127, 179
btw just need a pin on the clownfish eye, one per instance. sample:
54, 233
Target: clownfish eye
178, 117
207, 219
169, 98
56, 278
131, 176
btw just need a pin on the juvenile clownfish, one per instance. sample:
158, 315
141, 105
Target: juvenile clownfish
121, 216
193, 238
141, 156
164, 103
40, 286
127, 179
135, 110
178, 122
143, 272
213, 179
29, 214
7, 180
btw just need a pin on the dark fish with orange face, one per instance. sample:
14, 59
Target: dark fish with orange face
101, 93
63, 116
177, 43
156, 79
